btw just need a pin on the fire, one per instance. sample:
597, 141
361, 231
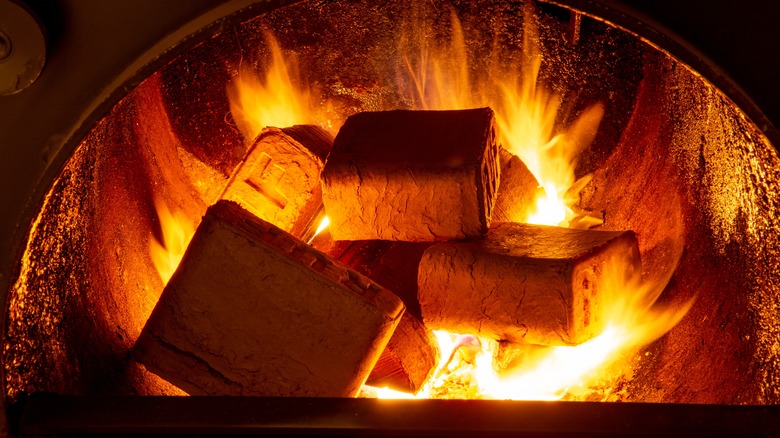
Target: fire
526, 113
528, 123
560, 372
324, 224
177, 231
526, 118
277, 98
550, 209
634, 320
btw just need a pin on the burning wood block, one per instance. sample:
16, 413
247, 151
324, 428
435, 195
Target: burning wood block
517, 191
525, 283
253, 311
394, 265
279, 178
410, 358
412, 175
412, 353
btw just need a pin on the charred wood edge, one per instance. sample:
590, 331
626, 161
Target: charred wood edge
56, 415
487, 176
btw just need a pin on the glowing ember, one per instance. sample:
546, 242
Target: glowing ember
177, 231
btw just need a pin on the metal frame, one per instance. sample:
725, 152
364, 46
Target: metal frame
53, 415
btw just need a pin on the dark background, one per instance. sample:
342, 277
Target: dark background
741, 37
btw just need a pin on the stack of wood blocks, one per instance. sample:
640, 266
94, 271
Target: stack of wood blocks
424, 235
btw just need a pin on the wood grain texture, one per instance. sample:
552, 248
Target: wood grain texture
524, 283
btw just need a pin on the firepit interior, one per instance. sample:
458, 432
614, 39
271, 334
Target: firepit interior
663, 248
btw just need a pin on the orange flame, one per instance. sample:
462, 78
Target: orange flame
277, 98
552, 373
177, 231
324, 224
634, 320
526, 115
439, 78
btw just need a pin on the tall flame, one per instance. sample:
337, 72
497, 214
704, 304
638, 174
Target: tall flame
176, 232
527, 120
278, 97
526, 113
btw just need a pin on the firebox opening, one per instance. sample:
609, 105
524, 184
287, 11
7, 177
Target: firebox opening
667, 156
